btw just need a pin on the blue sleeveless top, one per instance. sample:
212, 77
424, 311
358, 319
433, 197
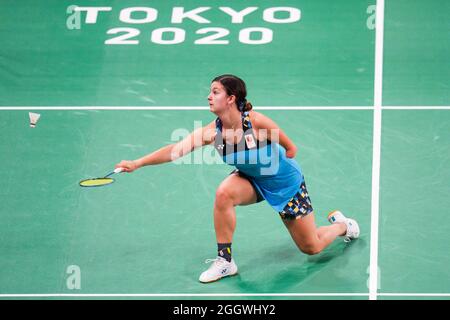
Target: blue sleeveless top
265, 164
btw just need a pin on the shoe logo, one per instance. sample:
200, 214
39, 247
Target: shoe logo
223, 271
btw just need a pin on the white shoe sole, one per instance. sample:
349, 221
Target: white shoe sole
221, 277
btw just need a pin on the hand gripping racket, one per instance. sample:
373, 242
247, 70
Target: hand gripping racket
98, 182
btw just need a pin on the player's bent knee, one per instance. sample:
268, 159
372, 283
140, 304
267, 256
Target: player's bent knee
223, 197
310, 249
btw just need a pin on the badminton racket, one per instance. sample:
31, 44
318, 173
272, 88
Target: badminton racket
98, 182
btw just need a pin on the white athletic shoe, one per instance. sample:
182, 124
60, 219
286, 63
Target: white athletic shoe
352, 225
219, 269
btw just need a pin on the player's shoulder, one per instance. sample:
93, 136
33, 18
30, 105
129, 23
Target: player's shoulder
254, 116
257, 119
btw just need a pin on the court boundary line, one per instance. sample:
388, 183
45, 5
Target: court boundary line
376, 150
193, 108
31, 295
414, 294
168, 295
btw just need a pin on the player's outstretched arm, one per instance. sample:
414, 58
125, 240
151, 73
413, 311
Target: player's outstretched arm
197, 138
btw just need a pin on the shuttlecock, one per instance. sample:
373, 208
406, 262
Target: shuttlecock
34, 117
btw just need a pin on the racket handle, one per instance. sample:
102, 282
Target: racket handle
118, 170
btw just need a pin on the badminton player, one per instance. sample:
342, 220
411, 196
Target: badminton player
265, 170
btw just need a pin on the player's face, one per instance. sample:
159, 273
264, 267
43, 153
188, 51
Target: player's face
218, 98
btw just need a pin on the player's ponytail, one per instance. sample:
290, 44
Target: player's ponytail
244, 105
248, 106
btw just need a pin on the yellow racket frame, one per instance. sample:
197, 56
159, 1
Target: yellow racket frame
96, 182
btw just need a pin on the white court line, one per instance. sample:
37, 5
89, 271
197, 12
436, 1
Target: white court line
138, 108
376, 154
188, 108
37, 295
417, 108
173, 295
414, 294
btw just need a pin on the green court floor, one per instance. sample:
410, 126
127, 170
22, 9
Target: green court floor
148, 234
